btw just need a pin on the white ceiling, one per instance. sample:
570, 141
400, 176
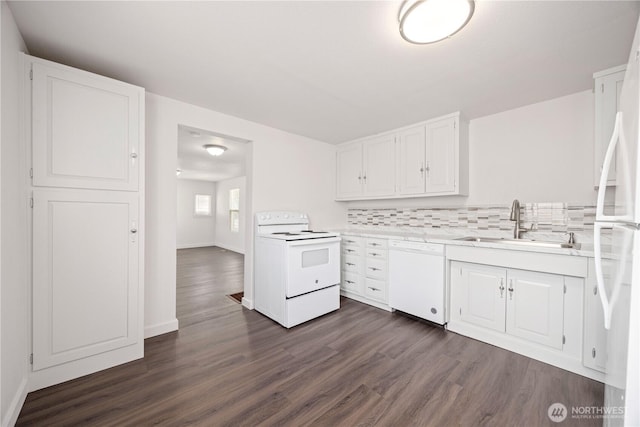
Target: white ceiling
195, 163
334, 70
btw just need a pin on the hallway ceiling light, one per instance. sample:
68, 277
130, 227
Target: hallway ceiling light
215, 150
429, 21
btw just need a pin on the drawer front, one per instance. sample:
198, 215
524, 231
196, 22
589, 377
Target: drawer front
352, 241
376, 269
376, 253
376, 290
352, 251
352, 264
377, 243
351, 282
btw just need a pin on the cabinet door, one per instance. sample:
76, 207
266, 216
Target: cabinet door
478, 294
595, 335
86, 130
86, 296
411, 161
441, 156
535, 307
379, 174
607, 104
349, 170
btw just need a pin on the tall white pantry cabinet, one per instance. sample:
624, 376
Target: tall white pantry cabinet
87, 175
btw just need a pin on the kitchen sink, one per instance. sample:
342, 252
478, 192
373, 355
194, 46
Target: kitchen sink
521, 242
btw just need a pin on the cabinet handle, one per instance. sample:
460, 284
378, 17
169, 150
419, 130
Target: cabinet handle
422, 169
359, 178
350, 250
350, 263
595, 290
365, 177
350, 241
374, 254
373, 289
350, 282
593, 352
134, 231
511, 289
134, 155
428, 169
501, 288
375, 244
374, 269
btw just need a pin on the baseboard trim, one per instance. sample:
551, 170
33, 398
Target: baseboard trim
195, 245
16, 404
230, 248
247, 303
160, 328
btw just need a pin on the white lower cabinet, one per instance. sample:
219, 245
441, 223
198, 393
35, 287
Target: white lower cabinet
540, 305
524, 304
535, 307
365, 270
477, 295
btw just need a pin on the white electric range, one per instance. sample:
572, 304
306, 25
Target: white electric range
296, 270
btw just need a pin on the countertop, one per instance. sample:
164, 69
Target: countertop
449, 238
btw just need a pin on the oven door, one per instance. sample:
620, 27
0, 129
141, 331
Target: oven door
313, 264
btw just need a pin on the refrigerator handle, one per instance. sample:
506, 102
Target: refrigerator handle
606, 307
606, 165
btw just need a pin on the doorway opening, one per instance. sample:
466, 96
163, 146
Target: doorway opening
211, 203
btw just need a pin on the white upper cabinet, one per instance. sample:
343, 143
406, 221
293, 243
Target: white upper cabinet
412, 161
608, 84
87, 130
441, 162
366, 169
349, 170
427, 159
379, 173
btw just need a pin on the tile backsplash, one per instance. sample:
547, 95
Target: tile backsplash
545, 217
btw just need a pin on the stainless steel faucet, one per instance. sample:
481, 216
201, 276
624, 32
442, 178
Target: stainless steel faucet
515, 216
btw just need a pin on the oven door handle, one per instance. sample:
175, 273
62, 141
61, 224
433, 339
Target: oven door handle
318, 241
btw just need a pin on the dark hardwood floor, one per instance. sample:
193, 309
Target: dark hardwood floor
229, 366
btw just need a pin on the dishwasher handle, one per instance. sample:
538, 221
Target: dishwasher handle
416, 247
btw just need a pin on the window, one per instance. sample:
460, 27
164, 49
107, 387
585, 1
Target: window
202, 205
234, 210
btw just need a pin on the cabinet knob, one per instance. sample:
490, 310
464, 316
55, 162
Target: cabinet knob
134, 155
134, 231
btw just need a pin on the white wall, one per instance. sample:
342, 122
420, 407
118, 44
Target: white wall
537, 153
225, 238
14, 253
194, 231
285, 171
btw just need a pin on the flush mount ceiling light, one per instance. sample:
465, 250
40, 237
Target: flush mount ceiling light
215, 150
429, 21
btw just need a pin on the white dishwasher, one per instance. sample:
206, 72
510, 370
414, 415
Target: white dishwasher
416, 279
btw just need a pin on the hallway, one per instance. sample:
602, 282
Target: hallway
205, 276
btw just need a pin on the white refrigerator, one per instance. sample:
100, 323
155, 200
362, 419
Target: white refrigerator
619, 285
